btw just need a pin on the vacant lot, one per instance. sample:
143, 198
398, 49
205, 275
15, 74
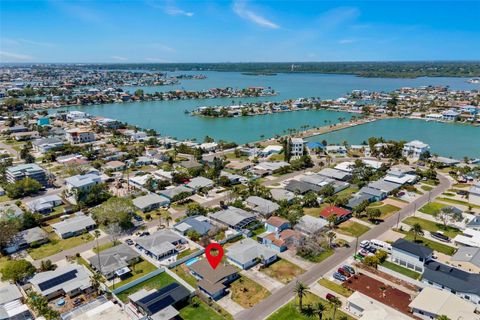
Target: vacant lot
432, 208
57, 245
283, 270
247, 292
156, 282
432, 226
352, 228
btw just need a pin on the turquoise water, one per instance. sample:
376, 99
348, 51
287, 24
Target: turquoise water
451, 140
169, 118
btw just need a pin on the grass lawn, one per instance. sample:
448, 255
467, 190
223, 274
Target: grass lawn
460, 202
57, 245
4, 198
319, 258
185, 275
347, 192
247, 292
432, 207
387, 210
431, 182
80, 260
432, 226
376, 204
352, 228
138, 270
406, 272
335, 287
315, 212
200, 310
426, 188
258, 232
156, 282
276, 157
283, 270
183, 206
104, 246
462, 185
186, 253
437, 246
291, 310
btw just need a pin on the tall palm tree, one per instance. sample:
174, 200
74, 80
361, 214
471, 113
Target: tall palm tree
301, 290
336, 303
417, 230
319, 308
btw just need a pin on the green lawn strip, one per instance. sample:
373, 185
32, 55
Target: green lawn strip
433, 183
199, 310
283, 270
186, 253
319, 258
462, 185
185, 275
315, 212
276, 157
57, 245
352, 228
335, 287
432, 207
258, 232
247, 292
291, 310
426, 188
4, 198
139, 270
431, 244
402, 270
460, 202
104, 246
385, 211
157, 282
433, 226
84, 262
347, 192
376, 204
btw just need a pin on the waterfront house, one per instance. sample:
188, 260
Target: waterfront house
341, 214
432, 303
271, 149
25, 238
336, 150
296, 147
151, 201
160, 304
233, 217
415, 149
199, 224
45, 204
310, 225
450, 115
70, 280
261, 206
77, 225
77, 136
45, 144
161, 244
75, 115
247, 252
315, 147
410, 255
444, 277
467, 259
474, 194
276, 224
115, 261
214, 283
27, 170
12, 305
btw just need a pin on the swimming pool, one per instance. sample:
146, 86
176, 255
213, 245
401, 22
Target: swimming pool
191, 261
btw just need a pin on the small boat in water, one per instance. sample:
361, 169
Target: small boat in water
474, 80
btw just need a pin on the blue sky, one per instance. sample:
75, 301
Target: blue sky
237, 31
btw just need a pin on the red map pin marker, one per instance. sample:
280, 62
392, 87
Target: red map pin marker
214, 260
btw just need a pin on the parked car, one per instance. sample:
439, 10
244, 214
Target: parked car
137, 218
349, 269
330, 296
129, 242
440, 236
339, 277
144, 234
364, 244
371, 249
344, 272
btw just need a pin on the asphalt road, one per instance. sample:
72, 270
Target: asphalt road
263, 309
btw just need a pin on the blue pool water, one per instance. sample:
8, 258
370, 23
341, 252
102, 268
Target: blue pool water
191, 261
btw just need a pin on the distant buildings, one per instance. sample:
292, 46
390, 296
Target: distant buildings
474, 194
27, 170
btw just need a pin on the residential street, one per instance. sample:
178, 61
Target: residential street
263, 309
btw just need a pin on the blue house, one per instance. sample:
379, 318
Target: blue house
276, 224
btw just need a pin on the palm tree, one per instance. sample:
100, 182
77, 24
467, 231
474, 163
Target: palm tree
331, 236
443, 317
336, 303
417, 230
301, 290
97, 234
319, 308
95, 281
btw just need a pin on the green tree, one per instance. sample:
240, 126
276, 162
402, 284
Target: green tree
417, 230
115, 210
8, 229
310, 200
373, 213
335, 303
301, 291
22, 188
319, 309
371, 261
195, 208
443, 317
17, 270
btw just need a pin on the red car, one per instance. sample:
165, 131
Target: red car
330, 296
344, 272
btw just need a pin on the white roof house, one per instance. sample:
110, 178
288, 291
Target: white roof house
45, 203
309, 225
468, 238
246, 252
74, 226
161, 243
366, 308
200, 182
84, 181
233, 217
11, 305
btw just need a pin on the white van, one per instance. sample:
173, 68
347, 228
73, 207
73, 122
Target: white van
381, 245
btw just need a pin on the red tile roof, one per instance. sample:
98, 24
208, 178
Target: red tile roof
339, 212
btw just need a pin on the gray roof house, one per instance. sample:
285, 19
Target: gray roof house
248, 252
25, 238
335, 174
45, 144
385, 186
171, 193
281, 194
150, 202
114, 261
233, 217
262, 206
199, 224
161, 244
11, 305
467, 258
79, 224
45, 204
199, 183
70, 280
474, 223
10, 210
357, 199
310, 225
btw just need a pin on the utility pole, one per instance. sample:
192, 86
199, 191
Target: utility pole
356, 247
398, 219
414, 208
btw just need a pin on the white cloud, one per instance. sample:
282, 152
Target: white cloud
338, 16
118, 58
14, 57
244, 13
170, 8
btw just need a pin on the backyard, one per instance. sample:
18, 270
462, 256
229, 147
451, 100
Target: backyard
139, 270
182, 272
57, 245
156, 282
247, 292
186, 253
291, 311
406, 272
198, 309
283, 270
352, 228
315, 212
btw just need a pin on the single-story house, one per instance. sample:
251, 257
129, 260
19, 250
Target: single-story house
70, 280
366, 308
301, 187
281, 240
335, 174
161, 244
10, 210
357, 199
198, 183
233, 217
11, 304
233, 178
213, 283
276, 224
24, 239
175, 191
384, 186
467, 258
336, 150
310, 225
199, 224
262, 206
341, 213
281, 194
45, 204
376, 195
45, 144
115, 165
151, 201
114, 261
74, 226
247, 253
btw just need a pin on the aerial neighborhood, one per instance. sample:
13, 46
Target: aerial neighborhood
100, 219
